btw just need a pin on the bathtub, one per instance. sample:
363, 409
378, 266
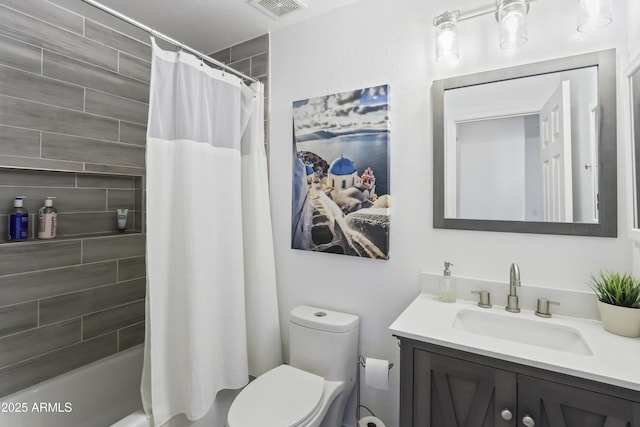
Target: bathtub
216, 417
101, 394
95, 395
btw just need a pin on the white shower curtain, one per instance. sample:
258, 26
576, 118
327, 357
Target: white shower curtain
212, 315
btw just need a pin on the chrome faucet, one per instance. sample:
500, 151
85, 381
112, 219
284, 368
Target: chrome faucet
514, 281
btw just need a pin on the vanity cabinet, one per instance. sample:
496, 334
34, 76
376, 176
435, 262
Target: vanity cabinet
444, 387
552, 404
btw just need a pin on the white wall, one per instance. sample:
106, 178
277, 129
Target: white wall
372, 43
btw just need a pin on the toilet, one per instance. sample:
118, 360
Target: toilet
312, 391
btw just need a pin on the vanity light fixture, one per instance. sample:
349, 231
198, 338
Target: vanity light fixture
447, 36
593, 15
510, 14
511, 17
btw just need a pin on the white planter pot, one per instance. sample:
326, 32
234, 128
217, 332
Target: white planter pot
618, 320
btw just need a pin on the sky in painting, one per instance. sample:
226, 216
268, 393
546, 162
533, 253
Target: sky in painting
363, 110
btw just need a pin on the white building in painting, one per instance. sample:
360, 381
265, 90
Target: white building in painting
342, 174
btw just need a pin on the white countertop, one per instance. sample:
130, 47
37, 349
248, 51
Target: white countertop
615, 359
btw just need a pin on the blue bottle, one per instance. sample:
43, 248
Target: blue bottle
18, 221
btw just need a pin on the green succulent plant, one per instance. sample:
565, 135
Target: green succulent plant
616, 289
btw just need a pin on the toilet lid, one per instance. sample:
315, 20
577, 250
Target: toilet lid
282, 397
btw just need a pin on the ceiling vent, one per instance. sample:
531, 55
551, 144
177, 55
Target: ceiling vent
278, 8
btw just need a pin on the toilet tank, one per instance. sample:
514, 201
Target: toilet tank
324, 342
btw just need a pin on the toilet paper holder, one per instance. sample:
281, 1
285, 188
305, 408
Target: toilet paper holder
362, 363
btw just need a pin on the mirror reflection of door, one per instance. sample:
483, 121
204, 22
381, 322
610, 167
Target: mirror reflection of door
634, 83
495, 164
555, 135
591, 166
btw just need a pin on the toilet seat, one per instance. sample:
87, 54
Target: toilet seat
283, 397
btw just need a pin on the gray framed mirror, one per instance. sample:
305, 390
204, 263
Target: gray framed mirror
528, 149
634, 98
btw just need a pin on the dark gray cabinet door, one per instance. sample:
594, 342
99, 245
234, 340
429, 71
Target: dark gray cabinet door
449, 392
550, 404
443, 387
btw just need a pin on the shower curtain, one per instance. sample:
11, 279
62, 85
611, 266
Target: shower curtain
212, 314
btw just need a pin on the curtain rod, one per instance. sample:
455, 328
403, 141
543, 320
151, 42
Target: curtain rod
168, 39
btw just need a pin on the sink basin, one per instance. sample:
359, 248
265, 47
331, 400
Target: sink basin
525, 331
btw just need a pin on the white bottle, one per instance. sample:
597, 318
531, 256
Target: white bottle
47, 220
446, 290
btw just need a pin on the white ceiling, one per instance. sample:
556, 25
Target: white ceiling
206, 25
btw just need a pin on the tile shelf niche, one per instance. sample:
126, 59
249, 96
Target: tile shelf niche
86, 201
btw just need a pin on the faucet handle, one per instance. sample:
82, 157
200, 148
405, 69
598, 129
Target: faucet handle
543, 307
485, 298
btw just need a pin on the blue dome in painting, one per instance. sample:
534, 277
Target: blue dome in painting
309, 169
342, 166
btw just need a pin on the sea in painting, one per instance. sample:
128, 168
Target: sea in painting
341, 173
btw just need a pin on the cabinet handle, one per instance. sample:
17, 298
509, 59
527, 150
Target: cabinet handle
527, 421
506, 414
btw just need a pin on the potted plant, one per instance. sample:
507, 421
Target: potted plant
618, 302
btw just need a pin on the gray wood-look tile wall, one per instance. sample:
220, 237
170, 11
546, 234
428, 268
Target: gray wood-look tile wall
73, 112
251, 58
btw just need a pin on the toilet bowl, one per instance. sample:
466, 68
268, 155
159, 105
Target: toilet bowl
285, 397
313, 390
